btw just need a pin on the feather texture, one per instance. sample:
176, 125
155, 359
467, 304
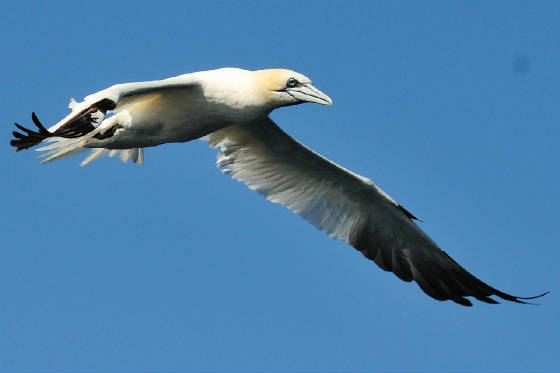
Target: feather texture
346, 206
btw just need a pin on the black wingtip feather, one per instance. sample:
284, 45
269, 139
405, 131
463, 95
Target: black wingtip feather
77, 126
440, 276
463, 302
29, 138
38, 123
523, 299
536, 296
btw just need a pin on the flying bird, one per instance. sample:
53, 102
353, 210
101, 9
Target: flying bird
229, 108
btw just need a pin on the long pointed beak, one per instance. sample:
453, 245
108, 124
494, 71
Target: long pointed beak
308, 93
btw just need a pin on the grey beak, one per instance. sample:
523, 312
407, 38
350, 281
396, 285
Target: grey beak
308, 93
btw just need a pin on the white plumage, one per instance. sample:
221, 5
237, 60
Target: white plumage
229, 108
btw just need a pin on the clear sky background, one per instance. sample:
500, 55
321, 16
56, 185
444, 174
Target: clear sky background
453, 109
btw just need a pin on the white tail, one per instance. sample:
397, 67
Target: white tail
61, 148
136, 155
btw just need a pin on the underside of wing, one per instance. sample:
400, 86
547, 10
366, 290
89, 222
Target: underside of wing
272, 163
347, 206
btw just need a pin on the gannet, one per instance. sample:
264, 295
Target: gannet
229, 108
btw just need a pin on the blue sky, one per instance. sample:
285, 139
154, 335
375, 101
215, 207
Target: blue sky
173, 266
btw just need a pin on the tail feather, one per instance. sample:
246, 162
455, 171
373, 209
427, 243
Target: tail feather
125, 155
136, 155
95, 154
61, 148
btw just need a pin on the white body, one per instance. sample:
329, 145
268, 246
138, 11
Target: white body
177, 109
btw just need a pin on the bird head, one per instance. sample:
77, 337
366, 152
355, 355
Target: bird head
283, 87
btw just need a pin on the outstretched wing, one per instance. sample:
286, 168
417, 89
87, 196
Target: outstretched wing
87, 115
347, 206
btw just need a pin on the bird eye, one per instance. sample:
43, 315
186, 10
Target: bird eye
292, 83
